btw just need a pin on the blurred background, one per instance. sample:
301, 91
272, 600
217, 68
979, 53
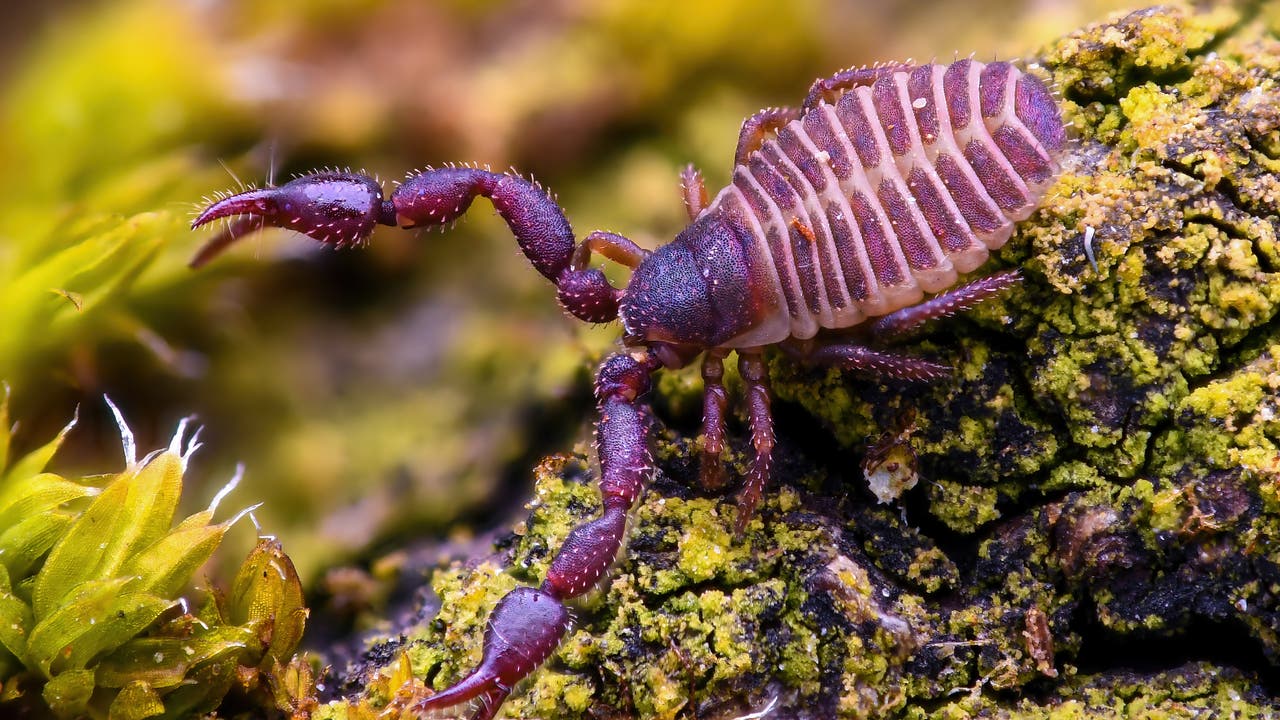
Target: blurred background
407, 389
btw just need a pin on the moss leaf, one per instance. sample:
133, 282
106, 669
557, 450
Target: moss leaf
36, 495
100, 614
134, 511
23, 544
267, 596
136, 701
15, 618
169, 563
203, 690
35, 461
68, 694
164, 662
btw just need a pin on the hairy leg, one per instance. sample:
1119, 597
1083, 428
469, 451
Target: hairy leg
755, 377
714, 401
693, 190
610, 245
866, 356
758, 126
866, 359
901, 322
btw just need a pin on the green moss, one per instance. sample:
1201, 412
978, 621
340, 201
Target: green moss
554, 692
962, 507
1074, 475
92, 576
1230, 423
931, 570
1191, 691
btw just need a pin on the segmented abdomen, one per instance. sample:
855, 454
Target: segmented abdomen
862, 206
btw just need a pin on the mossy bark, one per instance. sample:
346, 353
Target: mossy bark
1097, 526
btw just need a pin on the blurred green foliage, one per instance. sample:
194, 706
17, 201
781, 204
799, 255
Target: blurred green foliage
94, 151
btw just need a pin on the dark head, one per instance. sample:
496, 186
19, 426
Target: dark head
693, 293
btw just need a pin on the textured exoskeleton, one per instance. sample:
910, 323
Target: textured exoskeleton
842, 215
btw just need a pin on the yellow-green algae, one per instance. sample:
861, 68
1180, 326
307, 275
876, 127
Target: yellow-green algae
1105, 458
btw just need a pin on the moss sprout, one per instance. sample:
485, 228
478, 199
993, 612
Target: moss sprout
93, 619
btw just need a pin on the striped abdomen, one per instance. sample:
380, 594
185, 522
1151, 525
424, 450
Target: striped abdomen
862, 206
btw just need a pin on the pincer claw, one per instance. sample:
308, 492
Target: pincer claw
524, 629
335, 208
